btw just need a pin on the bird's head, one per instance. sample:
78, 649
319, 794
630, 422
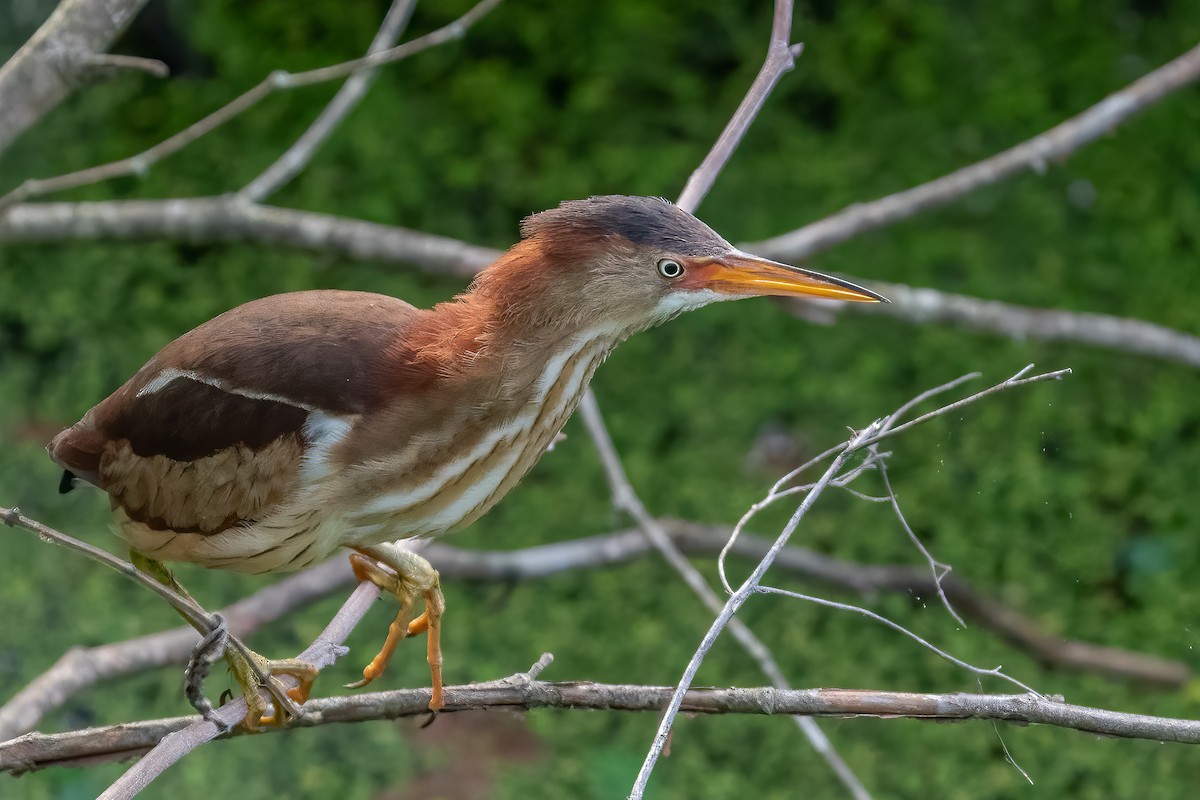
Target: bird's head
636, 262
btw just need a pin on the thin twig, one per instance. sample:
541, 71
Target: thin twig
993, 672
627, 500
731, 607
296, 158
1035, 154
781, 58
861, 440
278, 80
110, 62
936, 568
185, 606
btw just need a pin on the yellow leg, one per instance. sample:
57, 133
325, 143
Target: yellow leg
249, 677
407, 576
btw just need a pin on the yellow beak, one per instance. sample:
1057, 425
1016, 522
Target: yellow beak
743, 274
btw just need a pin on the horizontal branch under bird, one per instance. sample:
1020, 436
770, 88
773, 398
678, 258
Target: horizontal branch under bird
119, 742
80, 668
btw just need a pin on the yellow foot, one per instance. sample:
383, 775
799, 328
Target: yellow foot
406, 576
264, 674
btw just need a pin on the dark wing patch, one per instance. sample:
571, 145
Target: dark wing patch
187, 420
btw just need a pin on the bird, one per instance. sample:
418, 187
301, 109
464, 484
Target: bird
276, 433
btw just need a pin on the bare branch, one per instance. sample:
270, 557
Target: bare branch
1122, 334
1036, 154
187, 609
626, 499
326, 649
278, 80
781, 58
296, 158
80, 668
209, 220
864, 439
49, 66
119, 742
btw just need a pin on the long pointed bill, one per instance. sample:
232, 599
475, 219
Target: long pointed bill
740, 273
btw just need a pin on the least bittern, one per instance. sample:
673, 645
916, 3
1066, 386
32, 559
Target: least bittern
293, 425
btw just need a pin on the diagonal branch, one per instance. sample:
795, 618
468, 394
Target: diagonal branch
1035, 154
68, 45
859, 441
326, 649
781, 59
278, 80
120, 742
296, 158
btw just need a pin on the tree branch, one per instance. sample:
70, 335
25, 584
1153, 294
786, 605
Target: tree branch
1037, 154
325, 650
280, 79
210, 220
50, 65
781, 59
296, 158
81, 668
1122, 334
119, 742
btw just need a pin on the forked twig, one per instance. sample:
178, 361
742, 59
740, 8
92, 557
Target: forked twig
296, 158
861, 440
277, 80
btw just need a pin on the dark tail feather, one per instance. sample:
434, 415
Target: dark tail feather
67, 483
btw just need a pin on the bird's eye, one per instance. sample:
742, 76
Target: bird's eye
670, 268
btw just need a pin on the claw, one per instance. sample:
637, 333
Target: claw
207, 651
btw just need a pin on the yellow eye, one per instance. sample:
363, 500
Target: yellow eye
670, 268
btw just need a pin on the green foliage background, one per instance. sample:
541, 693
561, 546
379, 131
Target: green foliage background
1075, 502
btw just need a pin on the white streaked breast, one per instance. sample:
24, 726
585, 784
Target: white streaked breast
396, 502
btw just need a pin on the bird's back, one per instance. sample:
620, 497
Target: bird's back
215, 431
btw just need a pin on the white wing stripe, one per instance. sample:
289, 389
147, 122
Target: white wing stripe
169, 375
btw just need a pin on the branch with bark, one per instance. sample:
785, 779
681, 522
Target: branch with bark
120, 742
276, 81
68, 48
81, 667
240, 218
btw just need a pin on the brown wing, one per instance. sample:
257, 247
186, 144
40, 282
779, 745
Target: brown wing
211, 432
